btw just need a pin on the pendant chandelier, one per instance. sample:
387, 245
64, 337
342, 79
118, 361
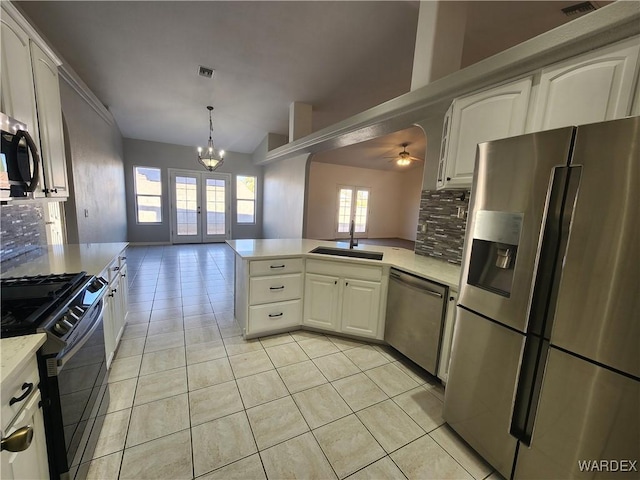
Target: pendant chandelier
210, 158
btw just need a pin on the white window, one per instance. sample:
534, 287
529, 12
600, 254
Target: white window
246, 199
353, 204
148, 189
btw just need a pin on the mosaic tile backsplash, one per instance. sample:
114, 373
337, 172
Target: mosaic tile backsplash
444, 235
22, 231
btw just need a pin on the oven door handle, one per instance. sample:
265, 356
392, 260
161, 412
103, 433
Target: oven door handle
66, 356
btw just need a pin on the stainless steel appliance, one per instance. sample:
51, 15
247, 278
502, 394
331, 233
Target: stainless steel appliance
415, 316
68, 308
544, 379
19, 160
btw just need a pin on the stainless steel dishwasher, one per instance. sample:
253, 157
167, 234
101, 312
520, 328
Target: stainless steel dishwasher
415, 317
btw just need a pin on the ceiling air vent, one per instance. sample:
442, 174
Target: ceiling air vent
205, 72
579, 9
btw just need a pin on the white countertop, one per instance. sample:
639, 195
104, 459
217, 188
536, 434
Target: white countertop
400, 258
69, 258
15, 352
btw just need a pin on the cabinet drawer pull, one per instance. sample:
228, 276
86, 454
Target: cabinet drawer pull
115, 269
273, 315
18, 440
281, 287
276, 266
28, 388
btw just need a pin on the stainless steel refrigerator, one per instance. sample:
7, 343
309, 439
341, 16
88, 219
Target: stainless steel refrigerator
544, 378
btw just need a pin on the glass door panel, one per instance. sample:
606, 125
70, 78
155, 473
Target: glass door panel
353, 204
345, 195
186, 224
217, 204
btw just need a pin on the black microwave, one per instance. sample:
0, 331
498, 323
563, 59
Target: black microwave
19, 160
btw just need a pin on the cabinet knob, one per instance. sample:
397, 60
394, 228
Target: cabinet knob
448, 179
18, 440
335, 282
55, 190
451, 299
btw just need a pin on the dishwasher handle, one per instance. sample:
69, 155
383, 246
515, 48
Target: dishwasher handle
415, 283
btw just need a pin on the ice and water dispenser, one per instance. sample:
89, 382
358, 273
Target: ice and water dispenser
494, 250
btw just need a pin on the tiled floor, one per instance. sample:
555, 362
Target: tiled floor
190, 398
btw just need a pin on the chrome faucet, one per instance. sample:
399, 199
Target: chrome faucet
352, 229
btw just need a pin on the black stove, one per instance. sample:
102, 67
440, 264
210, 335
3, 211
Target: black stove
68, 308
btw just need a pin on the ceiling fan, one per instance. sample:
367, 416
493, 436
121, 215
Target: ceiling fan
404, 158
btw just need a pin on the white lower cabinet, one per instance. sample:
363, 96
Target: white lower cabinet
349, 301
116, 305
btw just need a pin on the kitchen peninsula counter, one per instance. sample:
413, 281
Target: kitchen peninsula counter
92, 258
426, 267
15, 352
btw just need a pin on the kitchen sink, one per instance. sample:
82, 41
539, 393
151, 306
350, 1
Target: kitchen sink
344, 252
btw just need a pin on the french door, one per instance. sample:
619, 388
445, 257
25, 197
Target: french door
199, 206
353, 205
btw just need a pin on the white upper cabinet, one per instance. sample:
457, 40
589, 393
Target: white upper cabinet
47, 87
593, 87
492, 114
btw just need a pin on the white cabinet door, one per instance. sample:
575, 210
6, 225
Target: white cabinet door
32, 462
361, 308
109, 326
124, 290
489, 115
590, 88
321, 297
45, 77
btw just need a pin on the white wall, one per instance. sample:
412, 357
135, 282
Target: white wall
395, 199
96, 209
284, 197
165, 156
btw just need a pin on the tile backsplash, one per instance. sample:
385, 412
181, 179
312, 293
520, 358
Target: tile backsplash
22, 231
444, 235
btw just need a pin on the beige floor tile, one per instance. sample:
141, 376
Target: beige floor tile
344, 343
435, 387
140, 307
123, 368
230, 330
301, 376
166, 326
202, 352
286, 354
348, 445
159, 315
209, 373
359, 391
195, 300
167, 303
424, 408
383, 468
111, 436
121, 395
424, 458
321, 405
199, 309
200, 321
238, 345
336, 366
249, 468
318, 347
300, 335
162, 360
250, 363
214, 402
391, 379
135, 330
206, 334
261, 388
157, 419
164, 341
275, 422
101, 468
138, 317
415, 372
495, 476
301, 457
164, 458
130, 347
388, 352
161, 385
391, 427
366, 357
221, 442
461, 452
273, 340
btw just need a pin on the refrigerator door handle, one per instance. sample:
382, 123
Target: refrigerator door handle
554, 239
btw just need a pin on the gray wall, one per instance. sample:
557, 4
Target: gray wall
284, 197
165, 156
96, 176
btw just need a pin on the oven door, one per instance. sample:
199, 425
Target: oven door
76, 390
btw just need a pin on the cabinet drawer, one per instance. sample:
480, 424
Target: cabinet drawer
272, 316
276, 266
343, 269
275, 288
29, 375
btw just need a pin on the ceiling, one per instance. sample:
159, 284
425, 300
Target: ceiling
141, 59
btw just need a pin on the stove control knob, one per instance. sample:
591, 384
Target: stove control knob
61, 327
